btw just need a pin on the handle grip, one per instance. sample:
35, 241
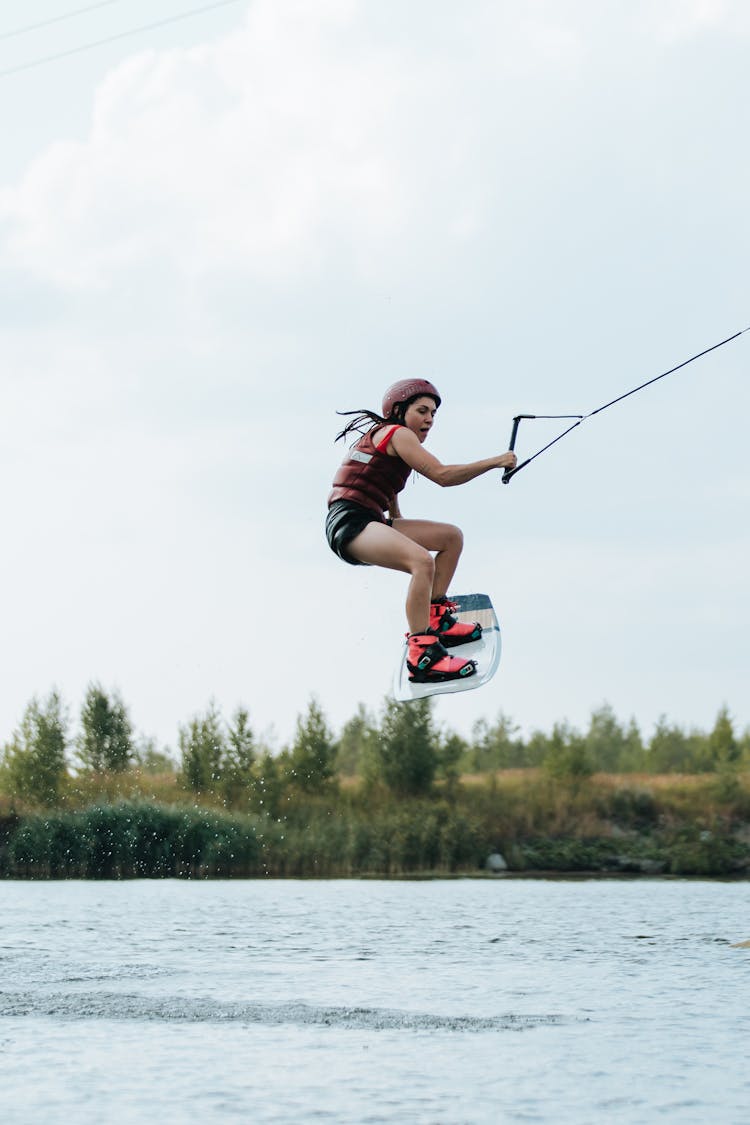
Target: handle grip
511, 445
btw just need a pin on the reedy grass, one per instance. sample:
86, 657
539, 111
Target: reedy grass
687, 825
127, 840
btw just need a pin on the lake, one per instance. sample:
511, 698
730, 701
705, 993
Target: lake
459, 1000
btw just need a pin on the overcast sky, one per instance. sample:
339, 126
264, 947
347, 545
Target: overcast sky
215, 234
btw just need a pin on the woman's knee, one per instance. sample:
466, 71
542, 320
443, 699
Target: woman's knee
454, 538
423, 565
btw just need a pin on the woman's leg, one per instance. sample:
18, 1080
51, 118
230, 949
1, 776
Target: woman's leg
444, 538
381, 545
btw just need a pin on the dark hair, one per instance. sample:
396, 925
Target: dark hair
367, 420
362, 423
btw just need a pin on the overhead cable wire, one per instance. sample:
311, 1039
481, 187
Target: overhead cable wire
57, 19
509, 473
120, 35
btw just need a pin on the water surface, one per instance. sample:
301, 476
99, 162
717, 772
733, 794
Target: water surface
344, 1001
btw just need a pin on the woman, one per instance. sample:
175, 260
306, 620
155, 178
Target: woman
367, 485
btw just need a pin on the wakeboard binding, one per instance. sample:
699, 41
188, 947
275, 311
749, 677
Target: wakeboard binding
428, 661
450, 631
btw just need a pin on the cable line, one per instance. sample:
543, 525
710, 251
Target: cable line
582, 417
119, 35
57, 19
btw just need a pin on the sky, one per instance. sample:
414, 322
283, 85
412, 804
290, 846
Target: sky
216, 233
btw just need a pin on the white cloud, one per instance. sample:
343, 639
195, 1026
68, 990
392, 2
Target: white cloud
682, 19
291, 141
303, 137
244, 153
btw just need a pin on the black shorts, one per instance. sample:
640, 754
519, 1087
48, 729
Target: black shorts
345, 520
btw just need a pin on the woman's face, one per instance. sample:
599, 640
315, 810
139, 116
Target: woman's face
420, 415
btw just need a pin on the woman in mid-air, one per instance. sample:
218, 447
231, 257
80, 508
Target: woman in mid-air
366, 487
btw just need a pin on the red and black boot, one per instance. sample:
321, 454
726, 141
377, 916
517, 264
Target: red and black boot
429, 662
450, 631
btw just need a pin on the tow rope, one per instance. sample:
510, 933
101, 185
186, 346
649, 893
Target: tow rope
582, 417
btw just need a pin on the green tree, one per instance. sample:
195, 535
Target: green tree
149, 758
744, 747
313, 751
451, 751
723, 748
355, 743
609, 746
495, 747
239, 758
405, 752
567, 757
35, 764
106, 738
536, 748
671, 750
269, 785
202, 747
633, 753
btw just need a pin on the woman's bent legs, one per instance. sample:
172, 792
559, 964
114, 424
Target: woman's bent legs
381, 545
444, 538
406, 547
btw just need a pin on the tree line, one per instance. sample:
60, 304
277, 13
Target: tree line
401, 749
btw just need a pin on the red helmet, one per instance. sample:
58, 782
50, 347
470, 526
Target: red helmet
404, 390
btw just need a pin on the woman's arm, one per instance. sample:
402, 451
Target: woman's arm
407, 445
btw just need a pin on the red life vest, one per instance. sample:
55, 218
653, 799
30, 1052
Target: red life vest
368, 475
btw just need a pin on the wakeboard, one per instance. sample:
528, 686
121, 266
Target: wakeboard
486, 652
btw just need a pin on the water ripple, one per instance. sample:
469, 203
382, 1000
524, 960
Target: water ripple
116, 1006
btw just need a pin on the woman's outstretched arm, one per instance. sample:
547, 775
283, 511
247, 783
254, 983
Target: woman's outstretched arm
409, 448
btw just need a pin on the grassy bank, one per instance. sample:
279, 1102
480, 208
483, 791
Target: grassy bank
114, 829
